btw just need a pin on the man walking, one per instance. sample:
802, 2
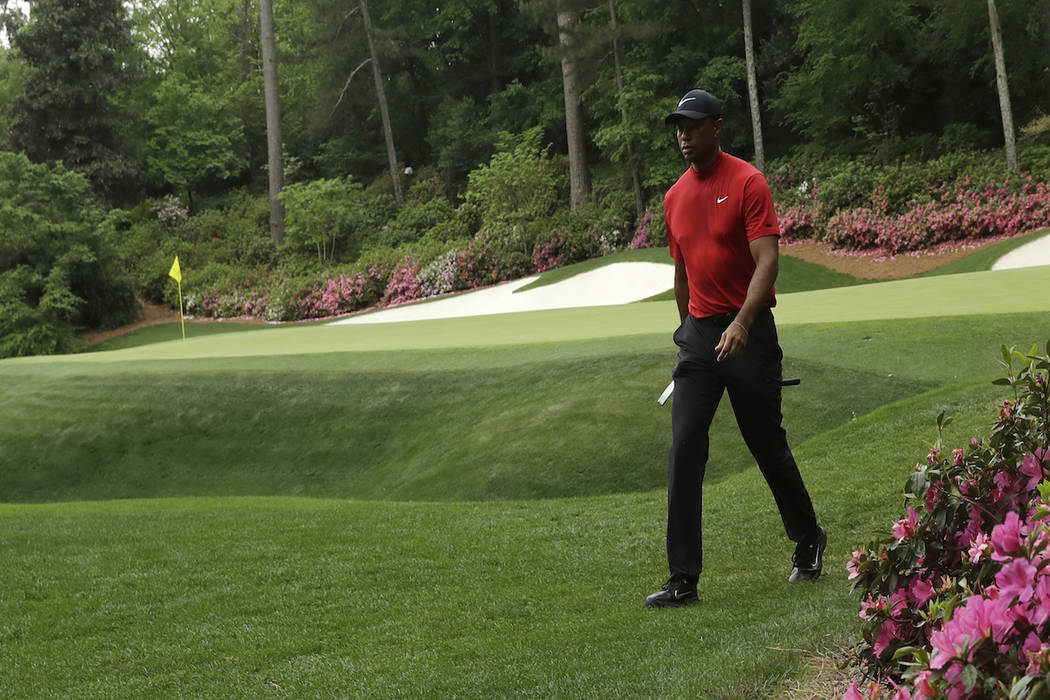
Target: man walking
723, 235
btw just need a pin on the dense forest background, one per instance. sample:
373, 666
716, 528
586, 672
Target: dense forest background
136, 131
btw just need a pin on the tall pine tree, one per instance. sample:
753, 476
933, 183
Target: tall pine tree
74, 50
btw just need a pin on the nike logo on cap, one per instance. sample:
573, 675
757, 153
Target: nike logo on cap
684, 100
722, 199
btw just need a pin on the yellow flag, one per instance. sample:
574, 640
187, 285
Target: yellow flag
176, 271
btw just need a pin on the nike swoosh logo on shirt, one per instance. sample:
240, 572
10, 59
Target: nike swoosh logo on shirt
722, 199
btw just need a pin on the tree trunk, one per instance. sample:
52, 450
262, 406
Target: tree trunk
752, 89
1004, 88
579, 178
273, 120
493, 54
632, 164
384, 113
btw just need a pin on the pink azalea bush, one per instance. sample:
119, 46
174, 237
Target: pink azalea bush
960, 212
642, 237
342, 294
956, 602
404, 283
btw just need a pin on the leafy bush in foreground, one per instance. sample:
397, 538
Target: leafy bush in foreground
956, 603
57, 273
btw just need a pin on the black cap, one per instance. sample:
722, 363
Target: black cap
696, 104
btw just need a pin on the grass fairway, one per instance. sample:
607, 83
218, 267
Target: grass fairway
454, 507
219, 597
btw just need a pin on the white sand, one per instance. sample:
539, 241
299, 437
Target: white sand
1029, 255
619, 283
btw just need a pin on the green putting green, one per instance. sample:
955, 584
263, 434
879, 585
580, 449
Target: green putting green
1004, 291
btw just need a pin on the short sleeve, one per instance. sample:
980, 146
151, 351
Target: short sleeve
760, 216
672, 244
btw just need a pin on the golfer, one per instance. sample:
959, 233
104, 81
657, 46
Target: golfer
723, 236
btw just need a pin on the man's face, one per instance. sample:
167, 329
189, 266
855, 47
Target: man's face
698, 140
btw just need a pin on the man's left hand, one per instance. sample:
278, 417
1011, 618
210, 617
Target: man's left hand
732, 343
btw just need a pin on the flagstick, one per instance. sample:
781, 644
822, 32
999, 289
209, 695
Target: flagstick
182, 320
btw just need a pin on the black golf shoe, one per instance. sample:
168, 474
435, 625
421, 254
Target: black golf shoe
808, 559
677, 591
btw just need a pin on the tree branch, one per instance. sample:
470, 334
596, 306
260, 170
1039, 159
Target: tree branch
342, 93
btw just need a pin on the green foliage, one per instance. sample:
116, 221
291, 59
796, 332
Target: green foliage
458, 140
426, 206
323, 216
520, 185
194, 138
56, 272
65, 113
652, 142
12, 76
238, 232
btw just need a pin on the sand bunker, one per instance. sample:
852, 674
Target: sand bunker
619, 283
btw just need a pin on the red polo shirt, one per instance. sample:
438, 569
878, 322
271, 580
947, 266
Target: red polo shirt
712, 216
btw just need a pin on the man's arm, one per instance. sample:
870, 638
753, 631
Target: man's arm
681, 289
766, 254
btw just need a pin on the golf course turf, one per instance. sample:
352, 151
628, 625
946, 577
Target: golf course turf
468, 507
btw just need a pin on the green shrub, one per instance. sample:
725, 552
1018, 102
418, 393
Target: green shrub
462, 226
58, 272
520, 185
415, 219
324, 216
237, 232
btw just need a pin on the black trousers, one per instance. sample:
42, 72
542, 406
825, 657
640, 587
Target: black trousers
753, 383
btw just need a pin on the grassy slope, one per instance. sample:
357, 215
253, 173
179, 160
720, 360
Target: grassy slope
221, 597
239, 597
984, 259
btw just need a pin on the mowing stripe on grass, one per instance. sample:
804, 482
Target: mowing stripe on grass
1003, 291
1000, 291
243, 597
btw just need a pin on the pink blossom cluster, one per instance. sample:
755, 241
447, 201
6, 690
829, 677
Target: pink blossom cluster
232, 303
641, 238
547, 254
962, 586
955, 214
341, 294
404, 283
799, 223
1002, 628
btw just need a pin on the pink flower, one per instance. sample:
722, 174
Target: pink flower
922, 686
853, 693
957, 457
902, 692
978, 619
889, 631
1035, 651
1016, 579
853, 563
920, 592
1032, 467
1007, 410
1040, 612
973, 528
980, 547
1006, 537
906, 527
932, 494
933, 456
